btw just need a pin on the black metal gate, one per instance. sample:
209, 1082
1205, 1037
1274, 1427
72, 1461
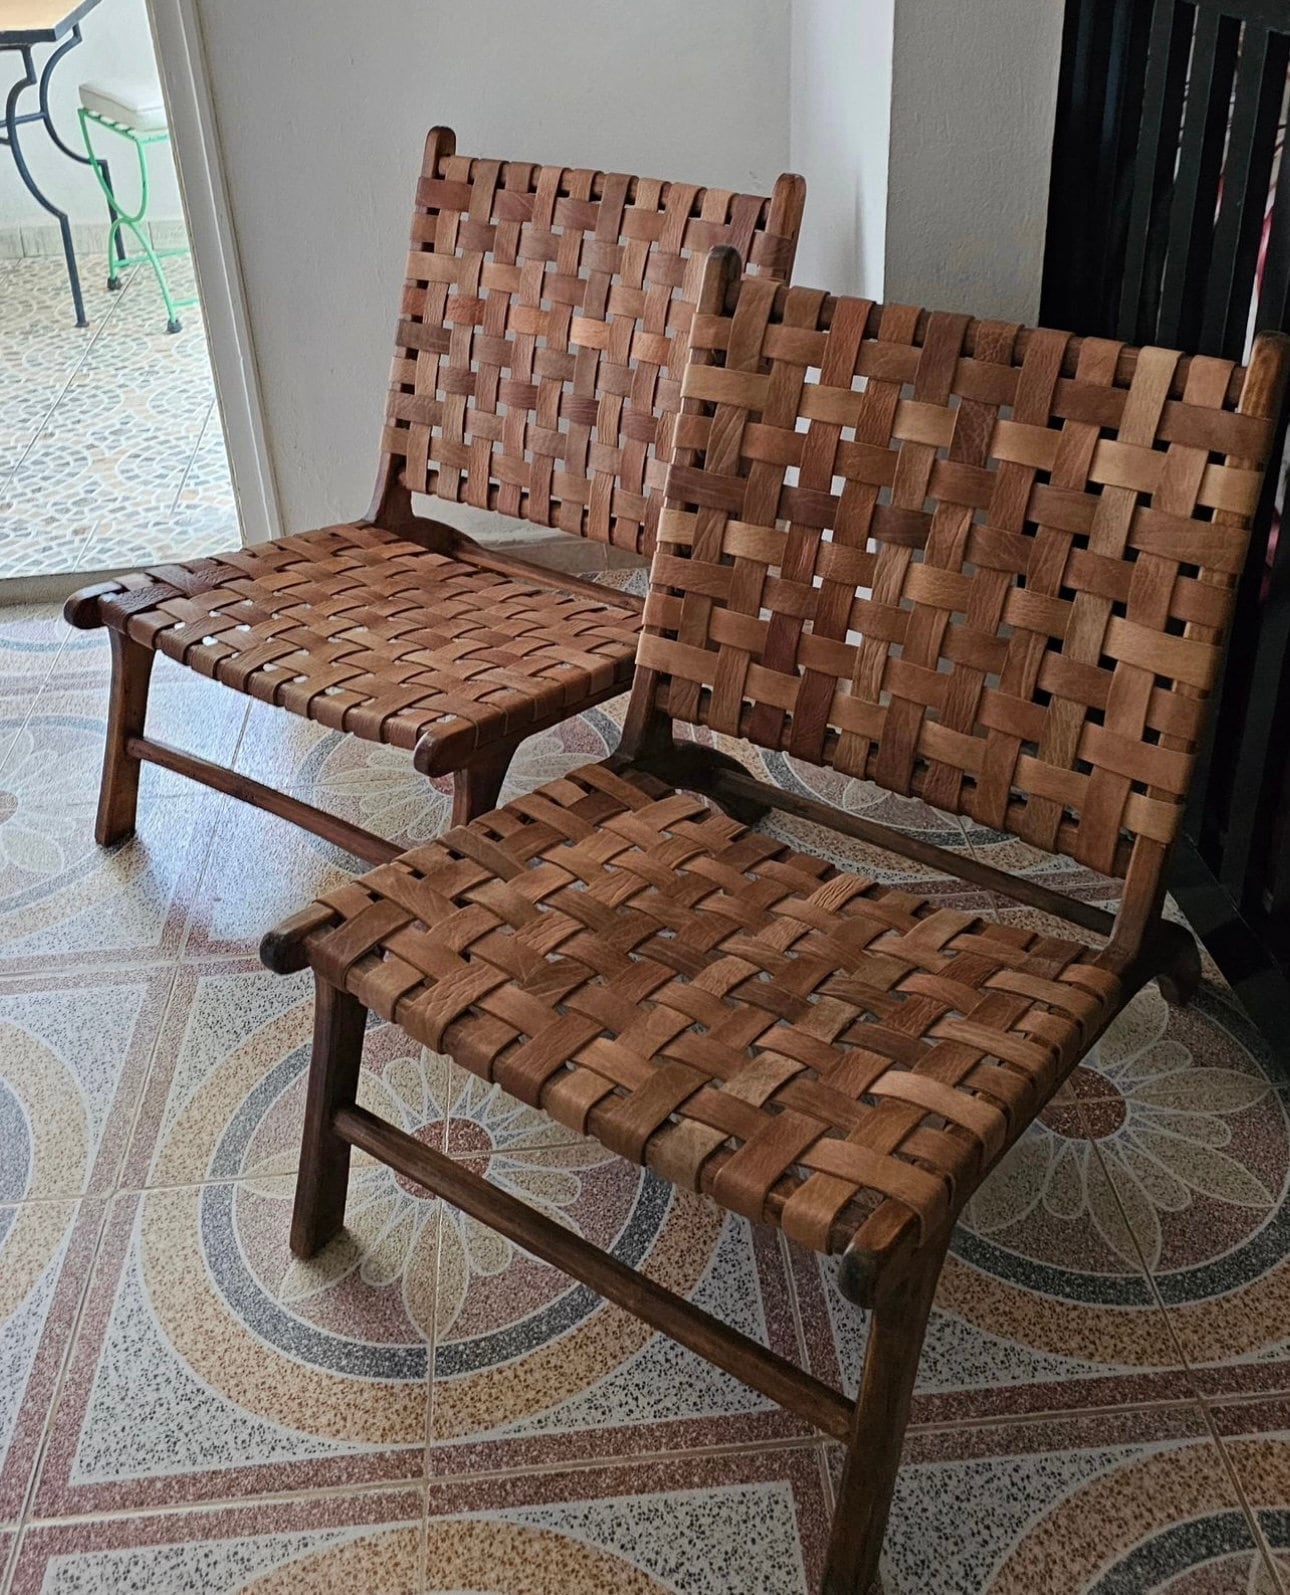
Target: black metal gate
1167, 223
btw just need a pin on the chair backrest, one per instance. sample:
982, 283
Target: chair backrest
543, 331
985, 565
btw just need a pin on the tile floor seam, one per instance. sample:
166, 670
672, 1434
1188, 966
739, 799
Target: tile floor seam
127, 1144
64, 1362
224, 1503
1184, 1366
634, 1459
1184, 1361
1238, 1486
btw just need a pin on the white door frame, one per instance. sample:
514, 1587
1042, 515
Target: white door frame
194, 131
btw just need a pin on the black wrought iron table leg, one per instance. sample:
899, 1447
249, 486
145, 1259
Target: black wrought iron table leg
12, 122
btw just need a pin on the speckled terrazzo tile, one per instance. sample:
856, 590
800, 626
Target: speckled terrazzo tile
210, 1364
1255, 1435
531, 1367
369, 1542
65, 901
31, 638
260, 869
45, 1254
755, 1523
225, 1097
57, 758
1043, 1305
287, 751
1120, 1502
74, 1050
1224, 1270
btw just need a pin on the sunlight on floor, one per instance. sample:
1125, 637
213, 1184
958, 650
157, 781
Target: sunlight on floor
111, 450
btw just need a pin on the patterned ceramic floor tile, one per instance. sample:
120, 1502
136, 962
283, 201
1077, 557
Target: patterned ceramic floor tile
74, 1051
1043, 1305
31, 638
1121, 1504
530, 1366
58, 756
752, 1523
225, 1098
260, 869
64, 901
286, 751
45, 1254
1196, 1143
368, 1542
1256, 1438
210, 1364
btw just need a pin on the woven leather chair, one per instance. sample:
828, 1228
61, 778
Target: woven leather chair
536, 374
981, 564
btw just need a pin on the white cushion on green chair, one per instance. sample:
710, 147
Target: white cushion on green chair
138, 105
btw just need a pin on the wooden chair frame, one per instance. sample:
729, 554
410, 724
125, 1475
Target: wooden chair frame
889, 1267
597, 364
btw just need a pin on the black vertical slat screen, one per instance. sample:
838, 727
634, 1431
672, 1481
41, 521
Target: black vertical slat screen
1166, 149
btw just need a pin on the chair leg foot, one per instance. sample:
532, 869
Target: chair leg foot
1180, 979
127, 710
174, 325
323, 1177
896, 1329
475, 787
113, 285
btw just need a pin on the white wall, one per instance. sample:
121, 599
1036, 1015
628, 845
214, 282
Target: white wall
840, 128
116, 47
322, 110
974, 84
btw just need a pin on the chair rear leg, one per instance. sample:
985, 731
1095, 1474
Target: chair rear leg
896, 1329
476, 785
323, 1177
127, 710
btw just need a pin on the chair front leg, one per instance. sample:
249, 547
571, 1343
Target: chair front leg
127, 711
897, 1325
323, 1178
476, 785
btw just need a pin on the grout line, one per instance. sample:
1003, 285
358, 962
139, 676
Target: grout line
225, 1503
1251, 1516
73, 1335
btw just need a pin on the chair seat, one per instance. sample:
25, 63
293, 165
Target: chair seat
368, 633
136, 105
803, 1044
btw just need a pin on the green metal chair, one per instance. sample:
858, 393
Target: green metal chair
135, 112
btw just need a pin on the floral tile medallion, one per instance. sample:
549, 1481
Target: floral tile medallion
1036, 1310
530, 1366
226, 1095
